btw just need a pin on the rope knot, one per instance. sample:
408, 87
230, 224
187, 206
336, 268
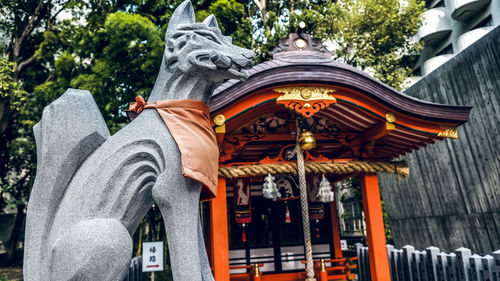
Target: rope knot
138, 105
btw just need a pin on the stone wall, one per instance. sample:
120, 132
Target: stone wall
452, 197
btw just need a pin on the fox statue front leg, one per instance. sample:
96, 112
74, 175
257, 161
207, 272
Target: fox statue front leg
178, 200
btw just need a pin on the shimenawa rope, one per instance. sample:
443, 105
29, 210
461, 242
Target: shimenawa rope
399, 168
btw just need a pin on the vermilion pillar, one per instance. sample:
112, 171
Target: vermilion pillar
219, 233
335, 230
375, 234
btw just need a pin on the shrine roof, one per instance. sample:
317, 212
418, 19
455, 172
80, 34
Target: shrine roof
359, 122
314, 66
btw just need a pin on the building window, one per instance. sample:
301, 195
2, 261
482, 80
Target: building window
417, 72
488, 21
434, 4
439, 4
447, 50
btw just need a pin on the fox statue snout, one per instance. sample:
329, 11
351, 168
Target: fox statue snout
92, 189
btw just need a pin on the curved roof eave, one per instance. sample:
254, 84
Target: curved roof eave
304, 69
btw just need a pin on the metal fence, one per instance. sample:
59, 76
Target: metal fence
135, 270
408, 264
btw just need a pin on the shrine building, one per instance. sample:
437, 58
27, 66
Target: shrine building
346, 124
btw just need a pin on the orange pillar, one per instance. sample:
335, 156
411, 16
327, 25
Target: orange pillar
335, 230
375, 234
219, 233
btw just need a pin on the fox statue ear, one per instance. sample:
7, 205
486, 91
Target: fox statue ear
211, 21
183, 14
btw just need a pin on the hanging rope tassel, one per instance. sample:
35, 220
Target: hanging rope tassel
325, 193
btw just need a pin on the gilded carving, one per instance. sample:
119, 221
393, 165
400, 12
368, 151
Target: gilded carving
305, 93
306, 100
449, 132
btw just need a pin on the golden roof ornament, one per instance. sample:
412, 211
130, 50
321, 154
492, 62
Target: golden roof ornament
449, 132
306, 100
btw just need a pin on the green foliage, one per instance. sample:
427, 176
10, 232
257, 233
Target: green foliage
233, 21
11, 92
114, 50
373, 35
15, 172
126, 58
387, 226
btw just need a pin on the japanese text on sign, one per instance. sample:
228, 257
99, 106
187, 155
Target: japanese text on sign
152, 256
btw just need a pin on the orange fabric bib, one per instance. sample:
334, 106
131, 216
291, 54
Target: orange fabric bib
189, 124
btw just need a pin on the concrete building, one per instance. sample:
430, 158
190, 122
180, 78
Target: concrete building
449, 26
452, 197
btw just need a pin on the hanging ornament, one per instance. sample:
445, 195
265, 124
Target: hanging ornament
307, 140
317, 229
243, 234
287, 214
316, 208
287, 188
242, 200
269, 188
325, 193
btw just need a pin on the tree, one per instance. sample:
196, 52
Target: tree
22, 26
16, 172
114, 49
373, 35
117, 57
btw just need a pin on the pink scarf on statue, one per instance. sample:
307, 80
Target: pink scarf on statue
189, 124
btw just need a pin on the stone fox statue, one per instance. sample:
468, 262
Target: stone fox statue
92, 189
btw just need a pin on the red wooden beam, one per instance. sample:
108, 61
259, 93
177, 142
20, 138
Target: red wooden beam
378, 131
219, 233
375, 234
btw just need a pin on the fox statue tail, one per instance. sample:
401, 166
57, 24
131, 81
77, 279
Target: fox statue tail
71, 128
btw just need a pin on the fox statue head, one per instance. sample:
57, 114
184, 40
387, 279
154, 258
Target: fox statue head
197, 53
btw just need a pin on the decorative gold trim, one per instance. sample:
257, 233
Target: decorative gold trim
220, 129
449, 132
306, 100
389, 126
219, 120
305, 93
390, 117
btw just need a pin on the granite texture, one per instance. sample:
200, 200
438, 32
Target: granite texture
92, 189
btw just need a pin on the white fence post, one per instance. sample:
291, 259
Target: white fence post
409, 264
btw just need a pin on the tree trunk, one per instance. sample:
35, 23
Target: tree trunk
261, 4
14, 236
